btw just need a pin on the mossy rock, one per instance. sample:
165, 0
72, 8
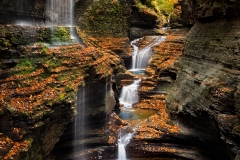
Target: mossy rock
2, 31
5, 43
62, 34
107, 18
45, 34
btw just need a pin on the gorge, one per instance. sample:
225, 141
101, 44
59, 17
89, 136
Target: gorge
63, 100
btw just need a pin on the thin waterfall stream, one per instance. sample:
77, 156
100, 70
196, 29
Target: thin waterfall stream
60, 12
140, 57
123, 140
129, 94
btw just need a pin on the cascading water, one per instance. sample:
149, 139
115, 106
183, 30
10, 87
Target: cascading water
123, 140
79, 121
129, 94
71, 19
141, 57
135, 51
59, 12
71, 12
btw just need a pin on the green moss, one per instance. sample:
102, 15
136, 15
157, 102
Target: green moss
107, 18
62, 96
11, 109
45, 34
52, 63
140, 5
24, 63
43, 47
25, 66
162, 6
60, 34
6, 44
17, 40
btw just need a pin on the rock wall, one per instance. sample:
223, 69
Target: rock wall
39, 87
12, 12
104, 18
209, 10
95, 103
142, 23
205, 95
12, 36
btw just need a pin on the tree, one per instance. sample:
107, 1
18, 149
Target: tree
164, 6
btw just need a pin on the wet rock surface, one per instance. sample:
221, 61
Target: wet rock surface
142, 24
39, 91
41, 84
12, 12
184, 134
205, 92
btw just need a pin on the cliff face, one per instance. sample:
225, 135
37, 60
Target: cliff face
208, 10
22, 10
103, 18
142, 23
113, 23
39, 88
205, 95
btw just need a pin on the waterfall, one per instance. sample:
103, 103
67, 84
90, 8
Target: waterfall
135, 51
71, 12
71, 24
129, 94
58, 12
80, 121
123, 140
61, 13
141, 57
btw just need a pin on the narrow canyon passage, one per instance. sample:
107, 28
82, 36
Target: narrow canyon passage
142, 128
156, 136
119, 80
132, 117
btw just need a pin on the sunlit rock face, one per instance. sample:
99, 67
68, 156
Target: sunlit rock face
12, 12
205, 95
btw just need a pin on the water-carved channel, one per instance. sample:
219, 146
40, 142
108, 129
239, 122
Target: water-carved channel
90, 133
130, 96
176, 97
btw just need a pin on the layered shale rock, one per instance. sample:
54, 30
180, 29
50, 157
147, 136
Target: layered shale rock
12, 12
208, 10
205, 95
142, 23
39, 89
